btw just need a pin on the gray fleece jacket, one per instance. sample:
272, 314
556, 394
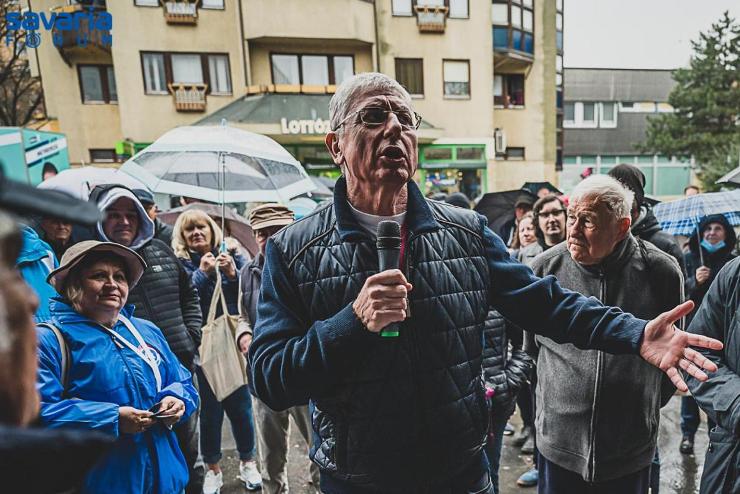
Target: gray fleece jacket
598, 414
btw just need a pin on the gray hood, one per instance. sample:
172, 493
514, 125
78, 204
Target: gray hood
146, 225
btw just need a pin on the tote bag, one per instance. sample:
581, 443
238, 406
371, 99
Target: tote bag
222, 363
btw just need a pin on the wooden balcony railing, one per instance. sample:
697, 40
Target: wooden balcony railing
189, 97
180, 11
431, 19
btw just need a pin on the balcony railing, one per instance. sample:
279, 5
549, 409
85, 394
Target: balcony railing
180, 12
86, 38
431, 18
189, 97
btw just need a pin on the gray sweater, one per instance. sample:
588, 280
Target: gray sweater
598, 414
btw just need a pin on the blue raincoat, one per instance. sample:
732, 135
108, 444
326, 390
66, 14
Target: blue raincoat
103, 375
35, 260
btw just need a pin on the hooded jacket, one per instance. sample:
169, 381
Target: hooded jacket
598, 414
103, 376
719, 396
35, 261
714, 261
165, 294
647, 228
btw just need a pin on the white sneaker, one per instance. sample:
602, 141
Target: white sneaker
249, 474
213, 482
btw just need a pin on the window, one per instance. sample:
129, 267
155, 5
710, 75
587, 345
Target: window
589, 112
186, 68
514, 153
513, 22
97, 84
508, 90
500, 13
146, 3
456, 75
570, 113
437, 153
212, 4
319, 70
410, 74
103, 155
608, 115
580, 115
430, 3
402, 7
459, 9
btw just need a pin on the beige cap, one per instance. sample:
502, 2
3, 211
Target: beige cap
78, 252
268, 215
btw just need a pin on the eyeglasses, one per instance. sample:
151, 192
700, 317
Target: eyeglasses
556, 213
374, 116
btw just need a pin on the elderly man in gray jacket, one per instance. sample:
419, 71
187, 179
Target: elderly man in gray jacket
597, 423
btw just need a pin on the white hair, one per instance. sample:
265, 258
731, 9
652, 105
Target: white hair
364, 83
607, 190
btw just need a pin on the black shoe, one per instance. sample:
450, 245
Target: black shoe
521, 437
687, 445
528, 446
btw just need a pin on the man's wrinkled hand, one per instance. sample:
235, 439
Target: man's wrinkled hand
382, 300
668, 348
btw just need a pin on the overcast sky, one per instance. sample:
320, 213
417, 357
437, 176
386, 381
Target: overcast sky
637, 34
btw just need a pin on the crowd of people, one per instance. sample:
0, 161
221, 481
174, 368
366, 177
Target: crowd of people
541, 314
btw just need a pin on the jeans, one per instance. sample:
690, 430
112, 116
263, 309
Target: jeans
690, 417
493, 450
557, 480
238, 406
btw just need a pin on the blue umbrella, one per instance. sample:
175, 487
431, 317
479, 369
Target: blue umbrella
681, 217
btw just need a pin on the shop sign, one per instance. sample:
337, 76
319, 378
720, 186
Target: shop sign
317, 126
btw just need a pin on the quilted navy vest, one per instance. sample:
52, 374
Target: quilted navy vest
413, 412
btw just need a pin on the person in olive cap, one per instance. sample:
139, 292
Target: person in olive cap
162, 231
272, 427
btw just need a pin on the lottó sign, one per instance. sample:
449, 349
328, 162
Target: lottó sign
317, 126
88, 26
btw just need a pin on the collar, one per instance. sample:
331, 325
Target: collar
62, 312
419, 216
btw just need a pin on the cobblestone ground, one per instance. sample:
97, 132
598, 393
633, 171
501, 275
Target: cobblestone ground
679, 473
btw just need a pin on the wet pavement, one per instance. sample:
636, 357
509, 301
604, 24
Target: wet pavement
680, 474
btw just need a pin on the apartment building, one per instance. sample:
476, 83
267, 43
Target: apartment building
606, 115
486, 75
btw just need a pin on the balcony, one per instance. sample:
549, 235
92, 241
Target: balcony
183, 12
86, 35
431, 18
189, 97
513, 49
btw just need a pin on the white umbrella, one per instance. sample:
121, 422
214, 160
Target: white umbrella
220, 164
78, 182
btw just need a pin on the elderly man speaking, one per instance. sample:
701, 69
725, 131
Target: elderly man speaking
408, 414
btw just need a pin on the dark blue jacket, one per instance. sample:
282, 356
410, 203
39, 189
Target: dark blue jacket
206, 284
309, 345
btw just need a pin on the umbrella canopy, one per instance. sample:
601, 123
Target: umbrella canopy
220, 164
534, 187
498, 207
322, 190
732, 177
681, 217
234, 225
78, 182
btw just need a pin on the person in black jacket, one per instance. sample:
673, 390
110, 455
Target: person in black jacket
703, 262
164, 296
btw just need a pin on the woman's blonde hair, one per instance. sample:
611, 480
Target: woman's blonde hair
186, 220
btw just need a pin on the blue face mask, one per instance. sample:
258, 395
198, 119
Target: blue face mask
712, 247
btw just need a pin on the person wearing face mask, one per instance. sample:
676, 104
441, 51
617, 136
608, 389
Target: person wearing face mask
709, 251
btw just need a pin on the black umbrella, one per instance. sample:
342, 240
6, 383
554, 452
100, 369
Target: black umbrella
534, 187
498, 207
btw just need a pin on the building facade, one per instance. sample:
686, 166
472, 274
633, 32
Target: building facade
486, 75
605, 117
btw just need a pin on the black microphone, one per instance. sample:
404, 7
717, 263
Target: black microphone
389, 257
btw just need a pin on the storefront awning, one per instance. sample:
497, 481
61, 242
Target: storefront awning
289, 117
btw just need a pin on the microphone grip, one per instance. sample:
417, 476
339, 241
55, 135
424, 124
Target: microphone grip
389, 259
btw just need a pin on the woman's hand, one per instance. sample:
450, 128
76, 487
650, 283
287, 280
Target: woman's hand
227, 265
702, 275
208, 263
171, 411
133, 421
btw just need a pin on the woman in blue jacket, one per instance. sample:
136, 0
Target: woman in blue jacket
197, 242
102, 369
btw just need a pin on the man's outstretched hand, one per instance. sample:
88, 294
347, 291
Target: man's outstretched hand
668, 348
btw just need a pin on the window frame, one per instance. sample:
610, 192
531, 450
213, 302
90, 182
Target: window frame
201, 5
467, 9
470, 85
93, 160
411, 10
509, 26
204, 67
505, 92
608, 124
421, 63
104, 83
579, 122
137, 4
330, 65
